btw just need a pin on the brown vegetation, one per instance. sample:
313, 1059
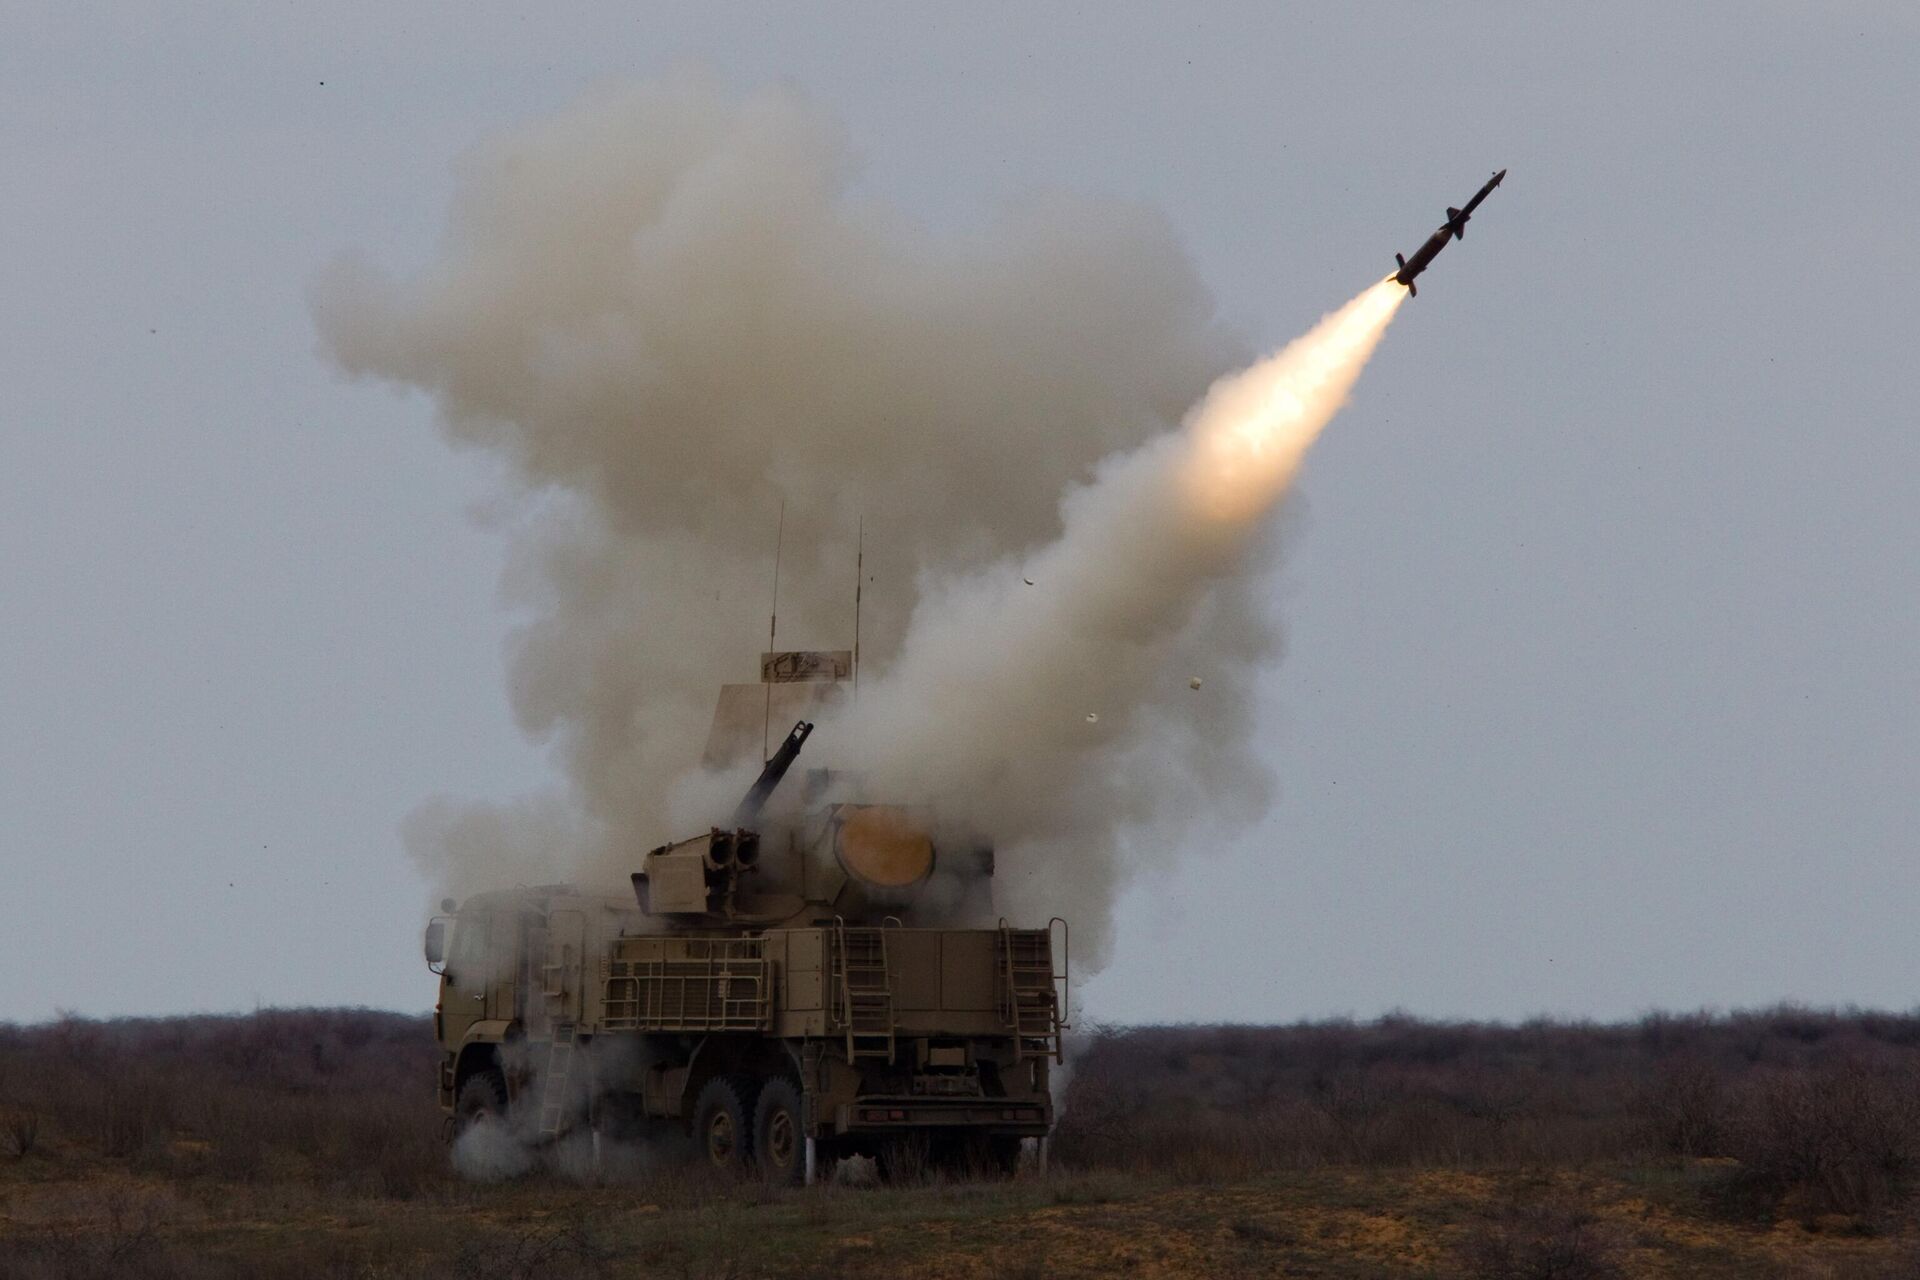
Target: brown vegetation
1820, 1106
299, 1142
335, 1098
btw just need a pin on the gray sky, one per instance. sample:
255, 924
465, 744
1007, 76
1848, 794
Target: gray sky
1600, 692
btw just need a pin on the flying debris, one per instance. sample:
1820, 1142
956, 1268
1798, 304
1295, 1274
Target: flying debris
1455, 226
1194, 682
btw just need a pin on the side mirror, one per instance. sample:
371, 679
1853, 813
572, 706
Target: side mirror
436, 945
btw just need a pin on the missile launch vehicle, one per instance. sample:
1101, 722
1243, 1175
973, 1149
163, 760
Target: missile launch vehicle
788, 991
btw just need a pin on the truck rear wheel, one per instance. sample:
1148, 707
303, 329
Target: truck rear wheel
779, 1135
722, 1124
483, 1100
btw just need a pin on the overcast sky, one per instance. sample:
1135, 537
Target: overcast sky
1601, 689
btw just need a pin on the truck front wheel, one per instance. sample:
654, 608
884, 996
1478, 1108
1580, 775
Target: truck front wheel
483, 1100
722, 1129
779, 1133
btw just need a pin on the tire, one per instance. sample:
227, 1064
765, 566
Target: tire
482, 1100
723, 1124
779, 1134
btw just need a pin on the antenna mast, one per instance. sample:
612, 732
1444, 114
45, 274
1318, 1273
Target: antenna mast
859, 580
773, 629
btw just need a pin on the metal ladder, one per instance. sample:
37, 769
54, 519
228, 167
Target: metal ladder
558, 945
1032, 1001
866, 992
553, 989
556, 1081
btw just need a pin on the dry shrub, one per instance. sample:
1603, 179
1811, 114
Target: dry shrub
537, 1253
325, 1097
1817, 1106
121, 1237
1541, 1242
1687, 1109
1844, 1140
129, 1116
1069, 1187
20, 1131
1208, 1104
907, 1160
399, 1157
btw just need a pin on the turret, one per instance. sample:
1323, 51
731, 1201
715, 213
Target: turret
848, 859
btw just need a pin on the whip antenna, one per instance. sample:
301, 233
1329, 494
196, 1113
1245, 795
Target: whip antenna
773, 629
859, 580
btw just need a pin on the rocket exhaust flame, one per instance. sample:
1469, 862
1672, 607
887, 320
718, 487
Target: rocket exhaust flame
1251, 431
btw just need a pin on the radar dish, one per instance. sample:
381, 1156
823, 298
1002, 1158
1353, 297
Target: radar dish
882, 847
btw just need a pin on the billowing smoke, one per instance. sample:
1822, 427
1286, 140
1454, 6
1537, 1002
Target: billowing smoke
670, 313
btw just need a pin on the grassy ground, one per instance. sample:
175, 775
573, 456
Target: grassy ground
1331, 1223
305, 1143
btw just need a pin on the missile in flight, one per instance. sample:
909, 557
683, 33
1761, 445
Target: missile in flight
1455, 227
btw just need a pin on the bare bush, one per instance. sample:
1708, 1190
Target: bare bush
1844, 1140
545, 1253
329, 1097
128, 1116
1820, 1109
1541, 1242
20, 1131
118, 1235
1219, 1103
1687, 1109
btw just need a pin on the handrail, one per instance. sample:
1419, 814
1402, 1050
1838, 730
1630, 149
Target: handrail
845, 984
1013, 994
1065, 976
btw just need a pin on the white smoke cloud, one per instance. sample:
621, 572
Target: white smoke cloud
668, 313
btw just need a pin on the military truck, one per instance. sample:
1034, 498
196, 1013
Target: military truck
788, 992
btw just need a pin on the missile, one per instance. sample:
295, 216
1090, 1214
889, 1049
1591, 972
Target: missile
1454, 227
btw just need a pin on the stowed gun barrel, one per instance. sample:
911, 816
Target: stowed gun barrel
776, 768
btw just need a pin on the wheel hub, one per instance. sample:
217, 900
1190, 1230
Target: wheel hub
720, 1140
780, 1139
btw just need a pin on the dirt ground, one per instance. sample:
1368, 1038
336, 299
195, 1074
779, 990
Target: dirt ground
295, 1143
73, 1219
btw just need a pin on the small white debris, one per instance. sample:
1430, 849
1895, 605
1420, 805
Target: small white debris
1028, 581
1093, 717
1193, 683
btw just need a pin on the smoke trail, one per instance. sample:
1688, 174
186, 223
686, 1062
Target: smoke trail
1033, 696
